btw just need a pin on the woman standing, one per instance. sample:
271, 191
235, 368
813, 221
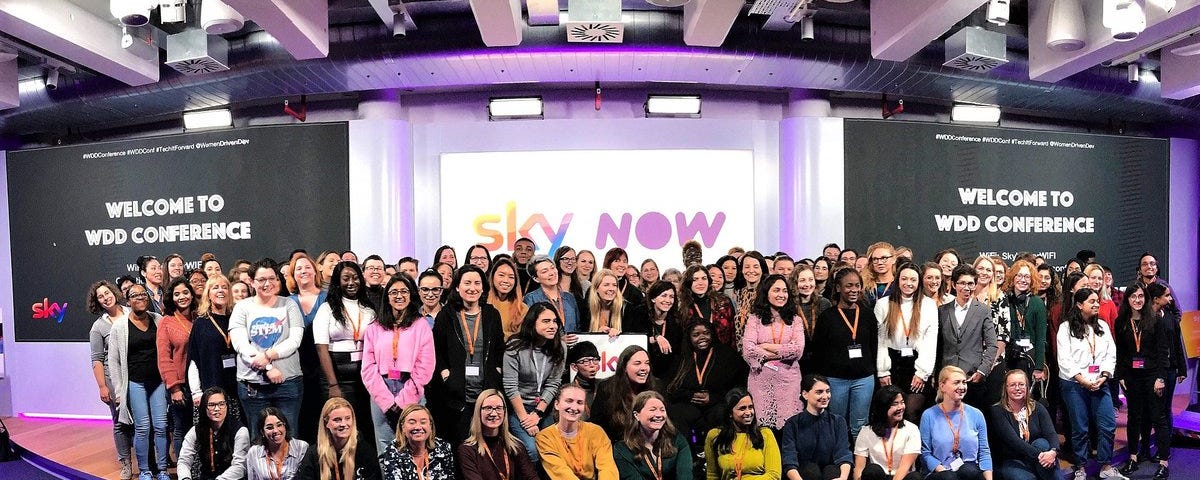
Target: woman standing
1087, 358
1026, 317
585, 268
468, 341
565, 260
216, 447
1027, 447
175, 268
606, 306
847, 339
751, 268
772, 345
506, 296
1163, 303
340, 453
877, 278
947, 259
398, 358
741, 448
210, 351
545, 273
105, 300
138, 389
172, 341
705, 371
266, 331
612, 407
445, 254
986, 290
934, 286
699, 302
490, 452
479, 256
617, 260
889, 446
651, 449
908, 336
417, 453
821, 270
649, 273
809, 302
954, 440
308, 285
276, 455
328, 260
338, 334
533, 369
662, 325
152, 277
429, 284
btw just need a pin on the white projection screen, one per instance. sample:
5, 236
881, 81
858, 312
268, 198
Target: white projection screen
649, 202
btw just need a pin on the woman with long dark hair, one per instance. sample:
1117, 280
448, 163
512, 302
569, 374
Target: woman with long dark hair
138, 389
1087, 358
534, 360
699, 301
338, 334
479, 256
105, 300
277, 454
809, 302
844, 348
908, 336
340, 452
468, 341
216, 447
651, 448
150, 271
889, 446
565, 260
772, 345
398, 357
174, 266
705, 371
445, 254
1162, 302
751, 269
741, 448
506, 295
179, 310
662, 325
822, 268
612, 407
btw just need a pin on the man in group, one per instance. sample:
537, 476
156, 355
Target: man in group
831, 252
374, 274
848, 255
409, 266
968, 335
522, 253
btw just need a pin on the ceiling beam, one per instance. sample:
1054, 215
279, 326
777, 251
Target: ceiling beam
499, 21
300, 26
76, 35
706, 23
900, 29
1050, 66
10, 91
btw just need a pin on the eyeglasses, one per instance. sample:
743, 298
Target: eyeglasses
478, 259
1023, 276
139, 296
493, 409
881, 259
217, 405
588, 361
430, 290
374, 269
568, 259
267, 280
398, 293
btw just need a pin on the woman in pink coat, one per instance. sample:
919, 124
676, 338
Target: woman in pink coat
772, 345
398, 358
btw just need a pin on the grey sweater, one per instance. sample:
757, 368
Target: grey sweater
528, 369
255, 328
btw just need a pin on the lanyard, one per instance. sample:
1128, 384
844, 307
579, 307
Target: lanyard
212, 462
777, 338
541, 370
469, 337
906, 323
220, 331
699, 314
279, 464
956, 431
810, 327
656, 467
503, 472
1137, 336
663, 331
356, 328
1022, 423
1092, 344
739, 457
574, 459
558, 306
395, 346
889, 452
701, 371
853, 328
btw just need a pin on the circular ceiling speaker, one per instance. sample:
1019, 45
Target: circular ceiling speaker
668, 3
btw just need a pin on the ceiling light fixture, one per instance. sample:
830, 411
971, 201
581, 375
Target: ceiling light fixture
1065, 27
673, 106
516, 108
132, 13
1125, 19
807, 28
968, 113
997, 12
220, 117
217, 18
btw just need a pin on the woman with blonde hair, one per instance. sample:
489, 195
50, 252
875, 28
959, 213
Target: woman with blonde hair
339, 454
877, 277
1026, 445
986, 290
585, 268
490, 452
606, 305
209, 347
954, 439
417, 454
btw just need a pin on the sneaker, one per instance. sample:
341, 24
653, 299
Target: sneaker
163, 475
145, 475
126, 469
1077, 473
1162, 473
1112, 473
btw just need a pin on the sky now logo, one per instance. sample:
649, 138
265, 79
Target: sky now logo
45, 310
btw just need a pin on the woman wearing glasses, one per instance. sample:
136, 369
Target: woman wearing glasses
216, 447
490, 452
266, 331
479, 256
877, 278
398, 358
566, 260
137, 386
429, 287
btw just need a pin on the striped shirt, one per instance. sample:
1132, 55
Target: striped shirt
260, 467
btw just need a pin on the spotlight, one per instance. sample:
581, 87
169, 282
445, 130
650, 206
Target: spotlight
132, 13
399, 30
807, 32
1125, 19
1065, 27
516, 108
220, 117
673, 106
997, 12
217, 18
52, 78
963, 112
1134, 72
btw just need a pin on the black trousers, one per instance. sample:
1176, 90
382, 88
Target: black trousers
812, 471
875, 472
1143, 407
969, 471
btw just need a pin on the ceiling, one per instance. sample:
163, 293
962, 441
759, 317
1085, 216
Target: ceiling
292, 47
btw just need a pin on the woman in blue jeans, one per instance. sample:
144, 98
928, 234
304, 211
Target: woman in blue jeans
138, 388
533, 365
844, 344
1026, 445
1087, 356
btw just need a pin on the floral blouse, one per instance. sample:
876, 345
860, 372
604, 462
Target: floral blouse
398, 464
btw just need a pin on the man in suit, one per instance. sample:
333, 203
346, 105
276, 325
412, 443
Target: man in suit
968, 336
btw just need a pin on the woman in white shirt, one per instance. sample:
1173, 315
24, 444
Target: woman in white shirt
1087, 356
338, 333
888, 447
907, 339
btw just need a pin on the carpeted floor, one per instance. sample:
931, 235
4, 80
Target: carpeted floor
22, 470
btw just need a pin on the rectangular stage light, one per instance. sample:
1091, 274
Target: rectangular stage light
682, 106
515, 108
207, 119
975, 113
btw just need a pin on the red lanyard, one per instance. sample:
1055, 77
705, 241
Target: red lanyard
853, 328
956, 431
889, 453
467, 335
701, 371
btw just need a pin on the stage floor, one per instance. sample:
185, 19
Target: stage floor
86, 446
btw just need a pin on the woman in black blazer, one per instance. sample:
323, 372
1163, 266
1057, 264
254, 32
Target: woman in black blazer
469, 341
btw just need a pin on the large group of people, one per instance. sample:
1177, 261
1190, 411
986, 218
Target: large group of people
873, 366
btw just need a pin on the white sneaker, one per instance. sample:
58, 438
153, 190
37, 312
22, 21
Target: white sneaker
1112, 473
1079, 473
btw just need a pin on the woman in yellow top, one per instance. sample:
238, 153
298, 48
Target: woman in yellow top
573, 449
741, 449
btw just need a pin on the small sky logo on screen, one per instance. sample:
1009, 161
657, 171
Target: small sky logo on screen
46, 310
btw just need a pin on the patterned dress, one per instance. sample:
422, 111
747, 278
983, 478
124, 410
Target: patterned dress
398, 464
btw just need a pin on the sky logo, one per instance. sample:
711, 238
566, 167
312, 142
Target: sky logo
46, 310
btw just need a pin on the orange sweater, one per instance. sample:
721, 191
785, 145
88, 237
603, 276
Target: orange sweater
172, 341
588, 456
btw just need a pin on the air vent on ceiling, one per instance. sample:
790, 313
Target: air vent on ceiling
594, 32
194, 52
594, 21
976, 49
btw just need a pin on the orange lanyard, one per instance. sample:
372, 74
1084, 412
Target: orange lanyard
777, 337
279, 464
417, 461
701, 371
956, 431
558, 306
357, 326
337, 471
853, 328
656, 467
811, 326
889, 452
503, 472
220, 331
212, 462
1137, 336
575, 459
906, 323
1092, 344
467, 335
739, 457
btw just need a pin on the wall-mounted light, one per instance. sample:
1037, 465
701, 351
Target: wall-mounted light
516, 108
674, 106
220, 117
967, 113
